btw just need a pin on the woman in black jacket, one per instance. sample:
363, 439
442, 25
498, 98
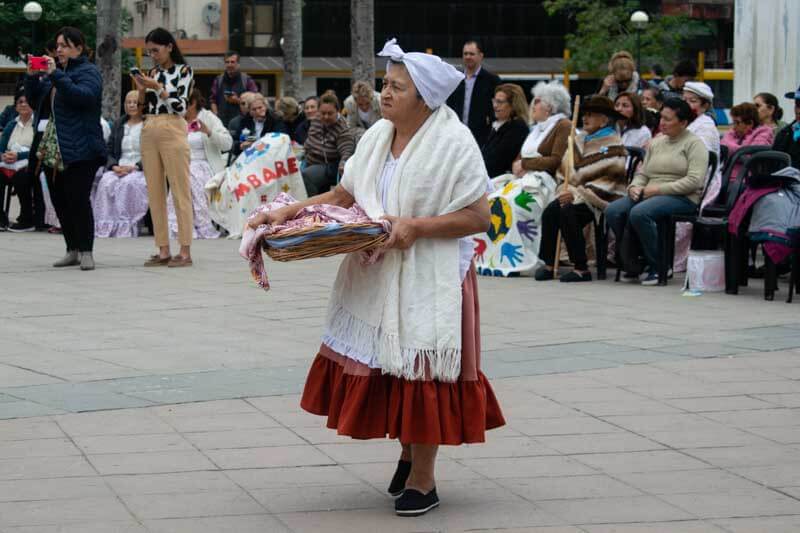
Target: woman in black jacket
72, 147
508, 131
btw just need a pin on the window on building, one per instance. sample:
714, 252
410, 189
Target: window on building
255, 26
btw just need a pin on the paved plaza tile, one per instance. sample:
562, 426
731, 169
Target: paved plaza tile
138, 400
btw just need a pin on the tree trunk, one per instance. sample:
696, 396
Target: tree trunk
293, 48
109, 55
362, 40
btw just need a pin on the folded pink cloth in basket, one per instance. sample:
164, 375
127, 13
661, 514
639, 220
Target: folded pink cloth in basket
314, 215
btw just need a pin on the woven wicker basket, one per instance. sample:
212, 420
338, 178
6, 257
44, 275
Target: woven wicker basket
324, 241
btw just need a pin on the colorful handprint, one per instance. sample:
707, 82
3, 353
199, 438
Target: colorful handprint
523, 199
480, 248
510, 252
528, 228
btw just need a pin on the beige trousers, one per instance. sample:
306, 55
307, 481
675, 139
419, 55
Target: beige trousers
165, 157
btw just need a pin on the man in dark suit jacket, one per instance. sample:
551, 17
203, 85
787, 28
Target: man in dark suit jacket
472, 99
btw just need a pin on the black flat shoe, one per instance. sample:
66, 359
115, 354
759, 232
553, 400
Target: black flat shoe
572, 277
543, 274
398, 484
414, 503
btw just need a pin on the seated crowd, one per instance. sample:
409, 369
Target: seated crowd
672, 120
541, 192
324, 133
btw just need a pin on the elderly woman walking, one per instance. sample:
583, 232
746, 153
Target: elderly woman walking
401, 349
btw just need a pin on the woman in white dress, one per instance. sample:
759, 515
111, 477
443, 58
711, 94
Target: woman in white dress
208, 139
119, 198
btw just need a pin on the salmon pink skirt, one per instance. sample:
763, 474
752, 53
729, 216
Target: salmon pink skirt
363, 403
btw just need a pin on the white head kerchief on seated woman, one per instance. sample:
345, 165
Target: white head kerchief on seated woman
434, 79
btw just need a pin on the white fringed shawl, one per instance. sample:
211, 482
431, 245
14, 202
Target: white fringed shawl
405, 311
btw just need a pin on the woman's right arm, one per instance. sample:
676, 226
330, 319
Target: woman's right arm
33, 90
550, 163
338, 196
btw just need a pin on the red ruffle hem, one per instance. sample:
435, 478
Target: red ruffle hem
365, 404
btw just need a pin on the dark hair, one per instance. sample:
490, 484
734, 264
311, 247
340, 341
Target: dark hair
18, 95
74, 37
197, 98
770, 99
230, 53
685, 68
747, 112
164, 38
477, 44
657, 94
315, 98
330, 98
681, 109
50, 45
637, 120
658, 69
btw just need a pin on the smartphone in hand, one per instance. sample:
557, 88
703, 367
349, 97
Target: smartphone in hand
135, 71
37, 62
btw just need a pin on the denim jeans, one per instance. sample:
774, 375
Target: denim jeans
644, 217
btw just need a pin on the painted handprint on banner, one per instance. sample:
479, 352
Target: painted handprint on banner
523, 199
528, 229
480, 248
511, 252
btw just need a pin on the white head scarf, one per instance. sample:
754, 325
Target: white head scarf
434, 79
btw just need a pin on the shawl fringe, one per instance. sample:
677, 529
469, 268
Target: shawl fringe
354, 336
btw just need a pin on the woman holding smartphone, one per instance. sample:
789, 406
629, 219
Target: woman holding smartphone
72, 147
164, 91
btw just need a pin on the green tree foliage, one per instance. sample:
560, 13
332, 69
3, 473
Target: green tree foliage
15, 39
603, 27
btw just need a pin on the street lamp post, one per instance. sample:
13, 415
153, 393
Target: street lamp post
33, 12
639, 20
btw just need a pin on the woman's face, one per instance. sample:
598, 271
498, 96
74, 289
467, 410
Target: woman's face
310, 109
741, 127
23, 109
132, 105
764, 110
649, 101
698, 105
364, 102
623, 77
161, 54
399, 98
327, 114
670, 125
501, 104
65, 50
541, 111
624, 107
592, 122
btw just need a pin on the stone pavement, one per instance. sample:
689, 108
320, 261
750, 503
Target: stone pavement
153, 400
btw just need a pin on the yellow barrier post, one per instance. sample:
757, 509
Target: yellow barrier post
566, 69
139, 57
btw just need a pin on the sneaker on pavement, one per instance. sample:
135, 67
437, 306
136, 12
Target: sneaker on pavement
650, 280
21, 228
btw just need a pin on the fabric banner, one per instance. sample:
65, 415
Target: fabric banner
269, 167
511, 246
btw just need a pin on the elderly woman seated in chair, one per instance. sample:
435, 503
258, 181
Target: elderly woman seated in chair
597, 177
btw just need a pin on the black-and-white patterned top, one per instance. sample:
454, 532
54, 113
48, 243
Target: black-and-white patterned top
177, 81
